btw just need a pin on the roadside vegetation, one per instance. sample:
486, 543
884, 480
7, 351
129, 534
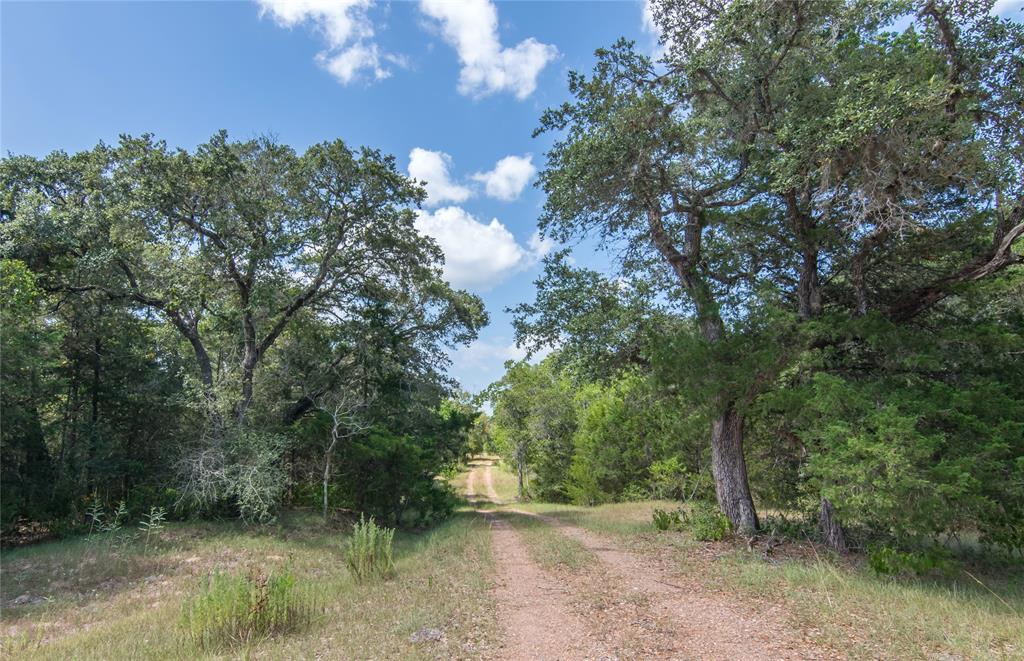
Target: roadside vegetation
975, 612
79, 602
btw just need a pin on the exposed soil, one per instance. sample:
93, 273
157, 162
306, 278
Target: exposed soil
629, 606
534, 606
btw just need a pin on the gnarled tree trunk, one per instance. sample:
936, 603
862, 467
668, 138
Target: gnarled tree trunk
831, 530
730, 470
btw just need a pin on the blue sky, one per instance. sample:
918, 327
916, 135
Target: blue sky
77, 73
463, 83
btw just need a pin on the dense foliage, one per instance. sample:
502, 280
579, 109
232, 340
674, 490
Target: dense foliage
219, 331
816, 305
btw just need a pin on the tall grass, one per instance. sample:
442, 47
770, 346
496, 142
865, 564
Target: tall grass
368, 553
243, 609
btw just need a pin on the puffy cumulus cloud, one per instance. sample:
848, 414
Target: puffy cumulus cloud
650, 26
347, 29
508, 178
471, 27
476, 255
647, 18
432, 168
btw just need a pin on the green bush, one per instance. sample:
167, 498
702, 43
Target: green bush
239, 610
889, 561
368, 554
667, 520
706, 523
435, 501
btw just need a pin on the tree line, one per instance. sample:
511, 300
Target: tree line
816, 303
199, 329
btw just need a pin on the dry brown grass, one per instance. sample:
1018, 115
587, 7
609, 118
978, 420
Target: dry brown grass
96, 608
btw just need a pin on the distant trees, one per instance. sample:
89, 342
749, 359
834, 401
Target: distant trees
798, 187
532, 426
260, 281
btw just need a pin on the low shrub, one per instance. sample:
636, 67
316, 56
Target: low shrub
705, 522
242, 609
634, 493
889, 561
667, 520
434, 502
368, 553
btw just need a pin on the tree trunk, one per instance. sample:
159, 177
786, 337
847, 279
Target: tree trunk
809, 287
831, 529
327, 464
250, 358
245, 399
520, 461
730, 471
727, 462
327, 479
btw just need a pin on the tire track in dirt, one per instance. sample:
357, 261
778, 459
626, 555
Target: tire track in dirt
471, 486
533, 606
698, 623
489, 484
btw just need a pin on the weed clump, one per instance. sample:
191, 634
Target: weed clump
368, 553
703, 521
706, 523
889, 561
243, 609
666, 520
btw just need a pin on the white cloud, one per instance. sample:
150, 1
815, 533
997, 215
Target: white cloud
471, 27
347, 64
477, 256
648, 18
346, 28
650, 26
481, 363
508, 178
539, 245
431, 167
485, 353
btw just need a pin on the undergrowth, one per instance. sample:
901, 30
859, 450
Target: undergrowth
244, 609
368, 553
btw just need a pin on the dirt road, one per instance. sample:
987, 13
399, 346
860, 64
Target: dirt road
627, 606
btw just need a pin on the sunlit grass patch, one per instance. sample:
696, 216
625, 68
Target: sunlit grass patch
505, 482
874, 616
621, 519
548, 546
242, 609
442, 581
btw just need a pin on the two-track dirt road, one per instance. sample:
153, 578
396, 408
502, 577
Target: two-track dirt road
629, 605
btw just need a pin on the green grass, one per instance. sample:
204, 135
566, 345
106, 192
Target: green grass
130, 608
369, 552
549, 547
624, 520
506, 484
240, 609
874, 617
